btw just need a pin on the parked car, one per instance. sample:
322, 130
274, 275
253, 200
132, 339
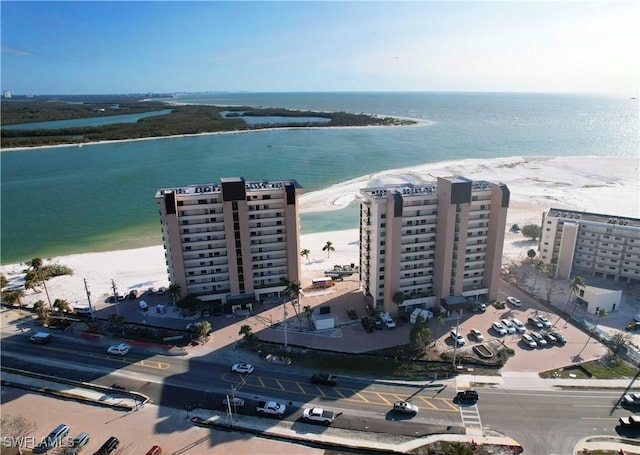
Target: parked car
242, 368
367, 323
518, 325
513, 301
467, 395
162, 290
52, 439
539, 339
80, 441
529, 341
546, 323
121, 349
475, 333
560, 339
352, 313
550, 337
535, 322
388, 320
498, 328
457, 337
480, 306
377, 322
404, 407
511, 328
108, 447
324, 378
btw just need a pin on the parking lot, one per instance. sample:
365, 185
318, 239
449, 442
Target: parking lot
526, 359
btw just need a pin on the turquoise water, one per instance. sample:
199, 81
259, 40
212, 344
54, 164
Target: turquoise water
100, 197
91, 121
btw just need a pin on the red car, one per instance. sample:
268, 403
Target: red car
155, 450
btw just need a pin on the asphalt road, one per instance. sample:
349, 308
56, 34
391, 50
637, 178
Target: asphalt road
545, 419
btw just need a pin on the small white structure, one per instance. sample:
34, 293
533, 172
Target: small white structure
419, 312
599, 298
323, 319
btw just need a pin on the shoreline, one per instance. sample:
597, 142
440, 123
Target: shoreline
419, 123
593, 184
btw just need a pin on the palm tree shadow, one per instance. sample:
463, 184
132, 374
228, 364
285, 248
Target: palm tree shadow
624, 392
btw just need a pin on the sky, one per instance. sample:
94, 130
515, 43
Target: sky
82, 47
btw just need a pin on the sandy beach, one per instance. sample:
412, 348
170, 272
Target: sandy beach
593, 184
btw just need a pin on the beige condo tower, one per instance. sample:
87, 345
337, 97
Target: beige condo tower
231, 243
432, 245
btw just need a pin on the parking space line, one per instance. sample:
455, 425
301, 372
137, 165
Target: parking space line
383, 398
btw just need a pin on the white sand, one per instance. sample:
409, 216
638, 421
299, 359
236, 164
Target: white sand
599, 185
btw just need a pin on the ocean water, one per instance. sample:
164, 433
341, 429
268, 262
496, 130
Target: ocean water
99, 197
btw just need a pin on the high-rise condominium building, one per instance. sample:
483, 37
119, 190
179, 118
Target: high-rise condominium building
591, 245
232, 242
426, 243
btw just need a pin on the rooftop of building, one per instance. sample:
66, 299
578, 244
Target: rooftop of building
594, 217
422, 188
213, 188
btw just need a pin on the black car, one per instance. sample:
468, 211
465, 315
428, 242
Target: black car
108, 447
324, 378
367, 323
352, 313
377, 323
560, 339
535, 322
467, 395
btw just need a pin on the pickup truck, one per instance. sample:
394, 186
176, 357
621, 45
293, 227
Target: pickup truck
271, 407
318, 415
630, 421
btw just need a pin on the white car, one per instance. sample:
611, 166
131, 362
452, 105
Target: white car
539, 339
519, 325
527, 340
546, 323
457, 337
475, 333
513, 301
119, 349
388, 320
499, 328
242, 368
511, 328
162, 290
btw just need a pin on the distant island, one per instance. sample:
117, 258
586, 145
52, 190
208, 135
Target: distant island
187, 119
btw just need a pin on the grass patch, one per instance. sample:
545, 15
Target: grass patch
606, 368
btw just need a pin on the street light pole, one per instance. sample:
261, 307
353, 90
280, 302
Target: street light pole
86, 288
115, 296
455, 341
284, 306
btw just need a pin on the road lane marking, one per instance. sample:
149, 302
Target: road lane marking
153, 364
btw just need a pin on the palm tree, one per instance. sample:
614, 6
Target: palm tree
305, 253
601, 312
174, 291
36, 266
577, 283
41, 311
293, 290
328, 247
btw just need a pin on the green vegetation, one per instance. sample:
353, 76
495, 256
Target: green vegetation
183, 120
532, 231
609, 367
